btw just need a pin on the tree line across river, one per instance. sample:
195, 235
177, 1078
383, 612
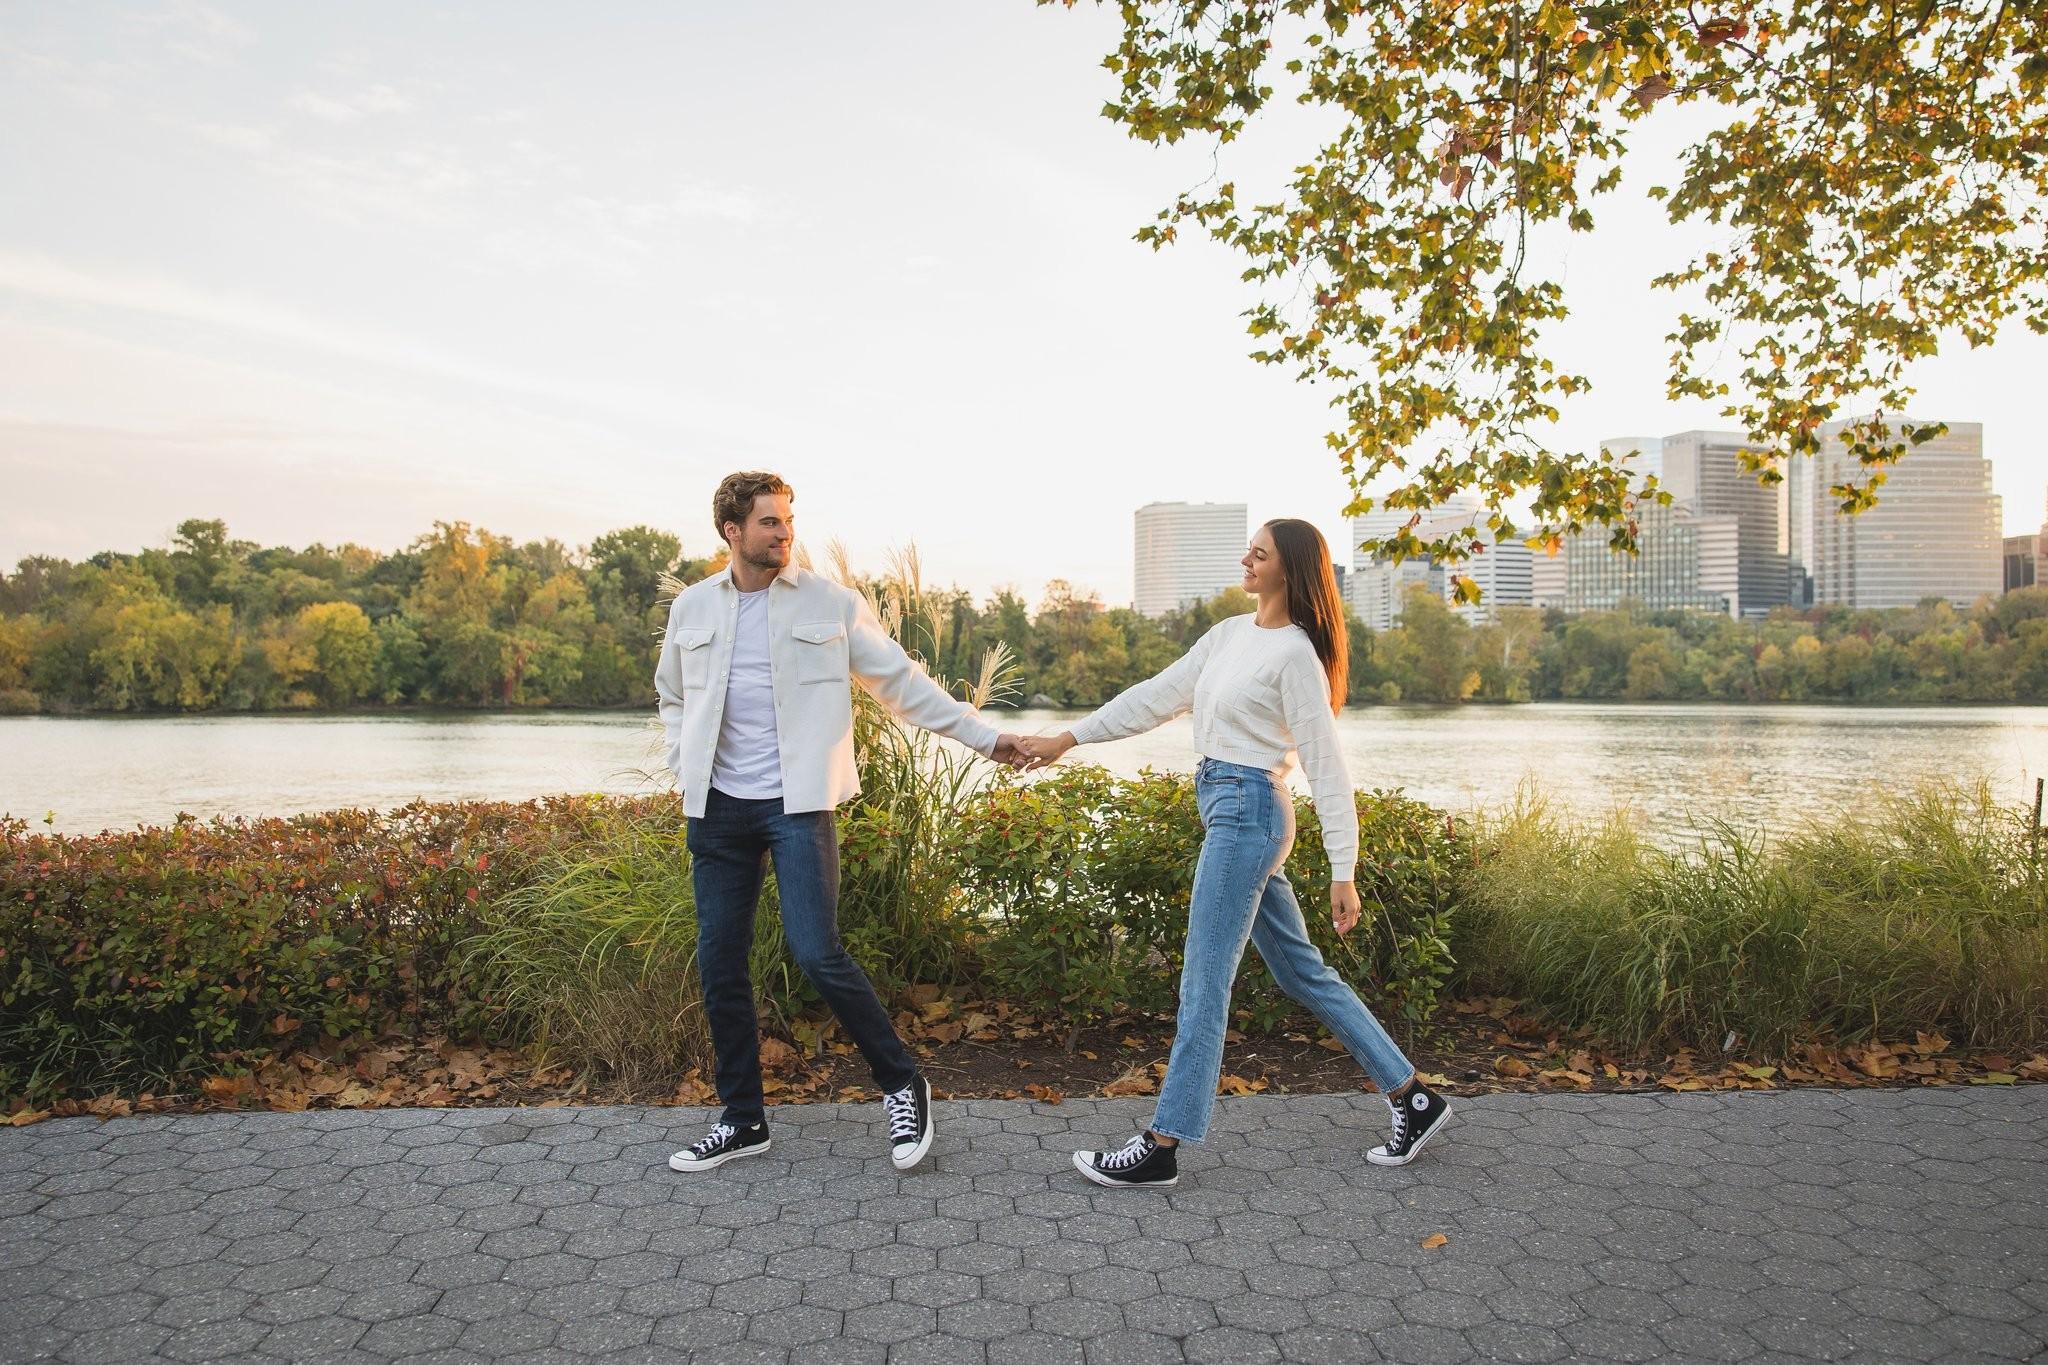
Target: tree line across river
465, 618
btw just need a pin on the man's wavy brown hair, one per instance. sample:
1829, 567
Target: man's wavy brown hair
733, 503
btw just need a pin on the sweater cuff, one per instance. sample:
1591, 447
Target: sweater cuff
1089, 729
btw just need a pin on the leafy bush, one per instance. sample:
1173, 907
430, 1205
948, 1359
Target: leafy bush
1084, 883
129, 959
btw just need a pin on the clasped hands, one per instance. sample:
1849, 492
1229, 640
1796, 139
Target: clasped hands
1028, 752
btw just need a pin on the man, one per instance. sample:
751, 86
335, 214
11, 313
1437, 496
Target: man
754, 693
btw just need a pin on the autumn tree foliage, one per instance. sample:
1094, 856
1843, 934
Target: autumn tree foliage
1877, 173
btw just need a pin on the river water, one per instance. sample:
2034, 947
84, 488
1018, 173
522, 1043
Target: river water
1670, 765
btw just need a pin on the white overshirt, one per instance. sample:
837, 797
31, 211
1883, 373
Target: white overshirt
748, 761
822, 637
1260, 698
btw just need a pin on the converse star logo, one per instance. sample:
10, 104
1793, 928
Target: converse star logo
1418, 1102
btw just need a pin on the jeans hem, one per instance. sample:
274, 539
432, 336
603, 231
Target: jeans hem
1168, 1132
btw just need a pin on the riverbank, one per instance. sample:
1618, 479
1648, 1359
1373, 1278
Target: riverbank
304, 961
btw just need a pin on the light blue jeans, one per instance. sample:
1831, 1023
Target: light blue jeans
1241, 892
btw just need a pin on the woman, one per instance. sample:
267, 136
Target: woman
1262, 687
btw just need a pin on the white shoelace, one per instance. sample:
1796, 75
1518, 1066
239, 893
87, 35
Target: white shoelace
1128, 1155
1400, 1128
901, 1107
717, 1138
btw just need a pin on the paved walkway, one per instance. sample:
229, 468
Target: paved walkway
1878, 1224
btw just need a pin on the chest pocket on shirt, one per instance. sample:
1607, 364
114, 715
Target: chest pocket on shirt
691, 642
821, 652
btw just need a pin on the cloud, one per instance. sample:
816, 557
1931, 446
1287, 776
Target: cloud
196, 32
669, 410
236, 137
378, 99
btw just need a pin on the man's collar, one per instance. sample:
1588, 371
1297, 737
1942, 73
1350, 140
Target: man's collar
789, 574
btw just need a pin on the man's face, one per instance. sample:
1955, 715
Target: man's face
768, 536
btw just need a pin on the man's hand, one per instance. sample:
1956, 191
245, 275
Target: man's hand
1009, 750
1343, 907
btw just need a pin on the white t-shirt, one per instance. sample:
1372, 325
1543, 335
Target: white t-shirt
748, 760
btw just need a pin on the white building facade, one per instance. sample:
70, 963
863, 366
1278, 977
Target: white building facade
1186, 552
1936, 531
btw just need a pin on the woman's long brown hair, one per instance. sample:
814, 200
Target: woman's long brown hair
1312, 599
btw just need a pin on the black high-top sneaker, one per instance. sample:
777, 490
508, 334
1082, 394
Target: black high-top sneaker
1418, 1115
1141, 1161
722, 1144
910, 1123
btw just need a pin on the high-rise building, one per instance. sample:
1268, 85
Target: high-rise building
1377, 587
1703, 472
1644, 455
1682, 562
1801, 500
1501, 571
1935, 532
2022, 561
1186, 552
1548, 578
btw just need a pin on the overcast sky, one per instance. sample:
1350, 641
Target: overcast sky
334, 272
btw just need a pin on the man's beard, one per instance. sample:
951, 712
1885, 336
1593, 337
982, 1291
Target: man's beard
764, 559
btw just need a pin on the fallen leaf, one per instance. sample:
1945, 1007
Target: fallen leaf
1136, 1081
1238, 1085
1511, 1066
1995, 1078
227, 1089
1330, 1045
1045, 1094
1435, 1240
776, 1054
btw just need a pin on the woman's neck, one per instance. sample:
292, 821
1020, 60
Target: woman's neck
1272, 612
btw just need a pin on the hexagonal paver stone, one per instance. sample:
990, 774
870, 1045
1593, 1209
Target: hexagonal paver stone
1899, 1224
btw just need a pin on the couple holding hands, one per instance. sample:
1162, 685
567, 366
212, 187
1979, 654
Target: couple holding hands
764, 758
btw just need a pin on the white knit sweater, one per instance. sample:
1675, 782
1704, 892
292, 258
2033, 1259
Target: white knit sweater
1260, 697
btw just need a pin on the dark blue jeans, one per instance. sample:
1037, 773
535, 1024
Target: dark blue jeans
729, 847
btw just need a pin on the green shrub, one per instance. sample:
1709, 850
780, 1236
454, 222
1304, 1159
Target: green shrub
129, 959
592, 960
1083, 882
1922, 912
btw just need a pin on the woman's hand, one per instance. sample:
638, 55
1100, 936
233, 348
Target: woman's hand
1343, 906
1044, 750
